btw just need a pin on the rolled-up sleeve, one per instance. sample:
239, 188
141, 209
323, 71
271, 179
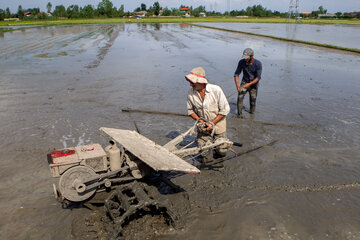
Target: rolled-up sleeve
238, 70
190, 106
224, 107
258, 70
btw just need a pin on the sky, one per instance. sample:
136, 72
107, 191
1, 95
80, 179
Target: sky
211, 5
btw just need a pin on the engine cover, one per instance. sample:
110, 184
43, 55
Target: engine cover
92, 156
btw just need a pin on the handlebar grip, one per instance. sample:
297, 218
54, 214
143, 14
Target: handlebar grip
205, 120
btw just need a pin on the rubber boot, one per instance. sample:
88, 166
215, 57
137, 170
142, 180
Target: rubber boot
252, 108
206, 158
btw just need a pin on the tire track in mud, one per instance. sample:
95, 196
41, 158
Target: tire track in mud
32, 46
293, 187
164, 37
12, 48
47, 43
13, 43
112, 32
299, 188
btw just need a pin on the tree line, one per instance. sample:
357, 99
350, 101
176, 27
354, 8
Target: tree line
106, 9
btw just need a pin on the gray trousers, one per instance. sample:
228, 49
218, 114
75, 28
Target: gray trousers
203, 138
252, 97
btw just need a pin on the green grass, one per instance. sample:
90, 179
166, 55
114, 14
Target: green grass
177, 20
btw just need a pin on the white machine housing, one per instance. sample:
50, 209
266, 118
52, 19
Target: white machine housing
92, 156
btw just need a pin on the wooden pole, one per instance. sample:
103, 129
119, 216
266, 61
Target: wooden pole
129, 110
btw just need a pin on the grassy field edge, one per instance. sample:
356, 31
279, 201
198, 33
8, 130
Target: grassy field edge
178, 20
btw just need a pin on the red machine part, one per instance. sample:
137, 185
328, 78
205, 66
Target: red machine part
61, 153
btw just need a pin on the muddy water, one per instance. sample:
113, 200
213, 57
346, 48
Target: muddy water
339, 35
59, 85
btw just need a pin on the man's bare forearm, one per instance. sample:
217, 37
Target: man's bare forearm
236, 79
218, 118
195, 117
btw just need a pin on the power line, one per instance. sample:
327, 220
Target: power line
294, 9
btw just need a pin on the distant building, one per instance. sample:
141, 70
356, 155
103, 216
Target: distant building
43, 13
27, 14
11, 19
140, 14
354, 13
202, 14
242, 16
185, 12
326, 15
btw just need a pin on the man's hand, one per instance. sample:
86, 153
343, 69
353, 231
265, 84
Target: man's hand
246, 85
209, 126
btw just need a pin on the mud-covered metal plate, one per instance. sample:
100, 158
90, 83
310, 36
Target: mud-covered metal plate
154, 155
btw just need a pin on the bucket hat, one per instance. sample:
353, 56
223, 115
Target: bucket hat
247, 53
197, 75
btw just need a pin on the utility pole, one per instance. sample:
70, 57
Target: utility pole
228, 6
294, 9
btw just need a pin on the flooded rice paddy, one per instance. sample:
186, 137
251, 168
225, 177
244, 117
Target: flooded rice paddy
59, 85
341, 35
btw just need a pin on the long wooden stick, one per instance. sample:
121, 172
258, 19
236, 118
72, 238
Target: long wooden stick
129, 110
246, 151
232, 94
153, 112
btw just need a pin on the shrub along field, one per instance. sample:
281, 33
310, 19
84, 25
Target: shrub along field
179, 20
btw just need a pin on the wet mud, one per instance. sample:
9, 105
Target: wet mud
296, 175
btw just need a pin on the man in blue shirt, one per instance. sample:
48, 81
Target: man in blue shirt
251, 69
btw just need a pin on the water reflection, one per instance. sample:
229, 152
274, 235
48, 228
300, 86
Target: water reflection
338, 35
291, 31
156, 26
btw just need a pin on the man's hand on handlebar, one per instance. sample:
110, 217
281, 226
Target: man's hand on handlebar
209, 126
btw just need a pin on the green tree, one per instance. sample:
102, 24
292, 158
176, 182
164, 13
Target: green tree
35, 11
7, 13
143, 7
322, 10
166, 12
105, 8
59, 11
157, 8
249, 11
2, 14
43, 16
338, 14
73, 11
49, 7
20, 12
175, 12
258, 11
121, 11
196, 11
87, 11
150, 11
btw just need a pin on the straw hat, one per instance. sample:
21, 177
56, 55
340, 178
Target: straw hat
197, 75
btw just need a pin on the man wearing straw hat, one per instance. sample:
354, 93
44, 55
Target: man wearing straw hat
207, 101
251, 69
